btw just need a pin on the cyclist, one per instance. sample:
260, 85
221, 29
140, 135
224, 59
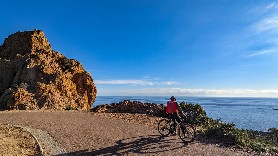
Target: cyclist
172, 110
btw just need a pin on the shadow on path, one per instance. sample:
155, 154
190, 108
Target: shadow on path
137, 145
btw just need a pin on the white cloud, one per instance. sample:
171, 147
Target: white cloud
191, 92
123, 82
271, 6
263, 33
268, 18
262, 52
169, 83
270, 23
133, 82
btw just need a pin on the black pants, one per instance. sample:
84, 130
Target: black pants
175, 118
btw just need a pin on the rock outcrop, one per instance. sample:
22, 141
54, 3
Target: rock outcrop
133, 107
33, 76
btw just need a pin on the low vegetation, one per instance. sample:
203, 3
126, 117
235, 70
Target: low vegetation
69, 107
227, 133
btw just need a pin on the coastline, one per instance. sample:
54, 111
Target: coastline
244, 112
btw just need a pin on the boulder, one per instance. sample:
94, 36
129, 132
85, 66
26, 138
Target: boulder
133, 107
33, 76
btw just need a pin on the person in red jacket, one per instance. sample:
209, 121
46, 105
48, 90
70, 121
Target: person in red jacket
173, 112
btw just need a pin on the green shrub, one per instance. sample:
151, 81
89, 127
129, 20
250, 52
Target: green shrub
69, 107
195, 114
273, 134
227, 133
220, 131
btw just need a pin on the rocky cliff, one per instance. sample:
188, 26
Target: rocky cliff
33, 76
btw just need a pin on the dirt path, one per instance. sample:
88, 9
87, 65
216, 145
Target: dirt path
86, 133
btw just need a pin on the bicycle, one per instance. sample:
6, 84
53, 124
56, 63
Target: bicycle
185, 131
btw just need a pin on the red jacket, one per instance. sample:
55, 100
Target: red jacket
172, 107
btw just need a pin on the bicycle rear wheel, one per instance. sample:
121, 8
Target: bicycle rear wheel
186, 132
164, 127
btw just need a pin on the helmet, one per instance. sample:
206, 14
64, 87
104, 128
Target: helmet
172, 98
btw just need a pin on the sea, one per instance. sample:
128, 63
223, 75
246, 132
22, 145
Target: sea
246, 113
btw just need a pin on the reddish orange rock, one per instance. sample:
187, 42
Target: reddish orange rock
33, 76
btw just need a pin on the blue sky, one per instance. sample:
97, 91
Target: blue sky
160, 47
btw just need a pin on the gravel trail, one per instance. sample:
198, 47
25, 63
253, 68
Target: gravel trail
47, 144
87, 133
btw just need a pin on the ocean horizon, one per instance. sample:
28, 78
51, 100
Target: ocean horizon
256, 113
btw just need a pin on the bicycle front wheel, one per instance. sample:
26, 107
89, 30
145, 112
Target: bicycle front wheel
164, 127
186, 132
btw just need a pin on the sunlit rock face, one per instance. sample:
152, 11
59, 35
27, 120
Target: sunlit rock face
33, 76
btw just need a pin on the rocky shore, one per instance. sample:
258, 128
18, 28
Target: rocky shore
133, 107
